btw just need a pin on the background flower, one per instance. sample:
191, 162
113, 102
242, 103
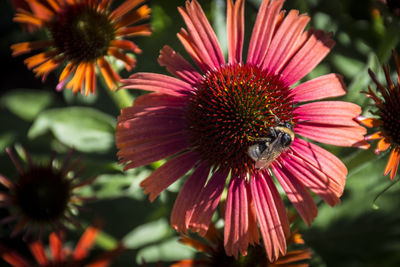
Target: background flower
43, 195
388, 122
60, 254
82, 34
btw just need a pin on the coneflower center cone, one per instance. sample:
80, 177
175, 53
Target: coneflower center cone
389, 113
82, 33
43, 194
232, 107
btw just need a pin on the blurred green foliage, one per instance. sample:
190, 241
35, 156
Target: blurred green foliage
43, 120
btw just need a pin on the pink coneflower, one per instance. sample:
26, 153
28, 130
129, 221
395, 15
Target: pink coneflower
61, 255
207, 118
387, 123
43, 196
82, 34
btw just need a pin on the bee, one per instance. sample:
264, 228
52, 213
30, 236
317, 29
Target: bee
268, 148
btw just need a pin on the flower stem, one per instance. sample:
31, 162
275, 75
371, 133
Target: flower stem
122, 98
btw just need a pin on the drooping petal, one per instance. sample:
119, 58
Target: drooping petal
13, 257
168, 173
284, 40
208, 200
157, 83
254, 235
138, 154
56, 248
332, 113
320, 158
332, 134
159, 99
326, 187
186, 202
236, 218
393, 163
178, 66
271, 215
307, 56
263, 31
235, 30
202, 34
383, 145
39, 253
297, 194
330, 85
85, 243
370, 122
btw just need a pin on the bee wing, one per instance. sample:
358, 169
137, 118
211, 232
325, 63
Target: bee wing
269, 154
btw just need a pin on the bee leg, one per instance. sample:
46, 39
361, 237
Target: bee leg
273, 132
263, 139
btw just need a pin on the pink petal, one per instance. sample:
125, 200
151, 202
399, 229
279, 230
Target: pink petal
202, 34
199, 56
235, 30
314, 179
207, 202
139, 154
142, 124
297, 194
328, 112
236, 218
321, 159
332, 134
159, 99
307, 57
168, 173
284, 40
144, 129
178, 66
330, 85
158, 83
271, 215
186, 201
151, 112
263, 30
254, 235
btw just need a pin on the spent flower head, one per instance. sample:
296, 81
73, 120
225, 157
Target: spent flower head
43, 195
387, 120
240, 121
82, 34
212, 253
60, 254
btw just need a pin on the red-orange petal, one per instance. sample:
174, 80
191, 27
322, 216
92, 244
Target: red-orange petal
392, 163
56, 247
39, 253
85, 243
139, 30
374, 136
140, 14
27, 47
383, 144
125, 8
371, 122
110, 76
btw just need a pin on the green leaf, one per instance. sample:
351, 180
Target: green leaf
117, 185
84, 129
148, 233
170, 250
26, 103
6, 140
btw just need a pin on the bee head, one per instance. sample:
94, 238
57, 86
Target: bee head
286, 139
